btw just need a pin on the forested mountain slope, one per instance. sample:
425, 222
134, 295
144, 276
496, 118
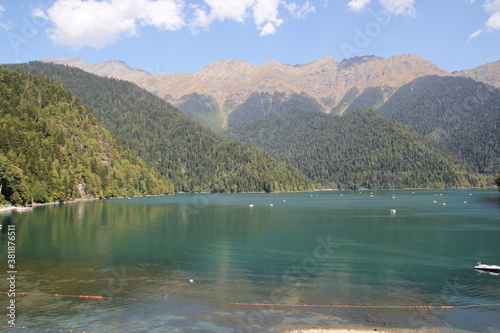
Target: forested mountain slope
260, 105
54, 149
456, 113
222, 87
193, 157
361, 149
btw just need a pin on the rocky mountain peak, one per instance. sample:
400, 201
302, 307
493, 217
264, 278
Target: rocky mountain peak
230, 82
74, 62
112, 68
488, 73
225, 65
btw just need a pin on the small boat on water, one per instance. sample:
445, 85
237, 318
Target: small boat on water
487, 268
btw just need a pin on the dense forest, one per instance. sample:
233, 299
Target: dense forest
459, 114
54, 149
361, 149
190, 155
260, 105
371, 97
202, 108
347, 100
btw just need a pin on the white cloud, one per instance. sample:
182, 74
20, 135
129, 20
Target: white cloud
79, 23
164, 15
221, 10
97, 23
399, 7
358, 5
476, 33
265, 14
299, 12
492, 8
395, 7
2, 25
268, 29
494, 21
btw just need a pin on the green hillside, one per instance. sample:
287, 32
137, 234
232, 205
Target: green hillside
347, 100
53, 149
202, 108
362, 149
192, 156
459, 114
372, 98
260, 105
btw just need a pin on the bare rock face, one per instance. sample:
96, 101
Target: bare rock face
231, 82
488, 73
115, 68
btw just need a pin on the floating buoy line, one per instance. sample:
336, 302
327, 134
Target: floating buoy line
286, 305
60, 295
335, 306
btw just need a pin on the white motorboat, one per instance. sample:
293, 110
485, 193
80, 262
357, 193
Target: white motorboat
487, 268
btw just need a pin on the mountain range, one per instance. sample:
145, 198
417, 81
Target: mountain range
434, 130
212, 95
187, 153
365, 122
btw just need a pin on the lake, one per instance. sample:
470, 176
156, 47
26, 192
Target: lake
318, 249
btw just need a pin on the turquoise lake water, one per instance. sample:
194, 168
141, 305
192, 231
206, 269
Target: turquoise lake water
317, 248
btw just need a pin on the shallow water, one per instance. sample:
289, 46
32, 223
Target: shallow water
318, 248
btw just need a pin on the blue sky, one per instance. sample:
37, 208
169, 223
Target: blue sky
165, 36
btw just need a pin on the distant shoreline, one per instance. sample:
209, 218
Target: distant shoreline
33, 205
3, 209
6, 209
